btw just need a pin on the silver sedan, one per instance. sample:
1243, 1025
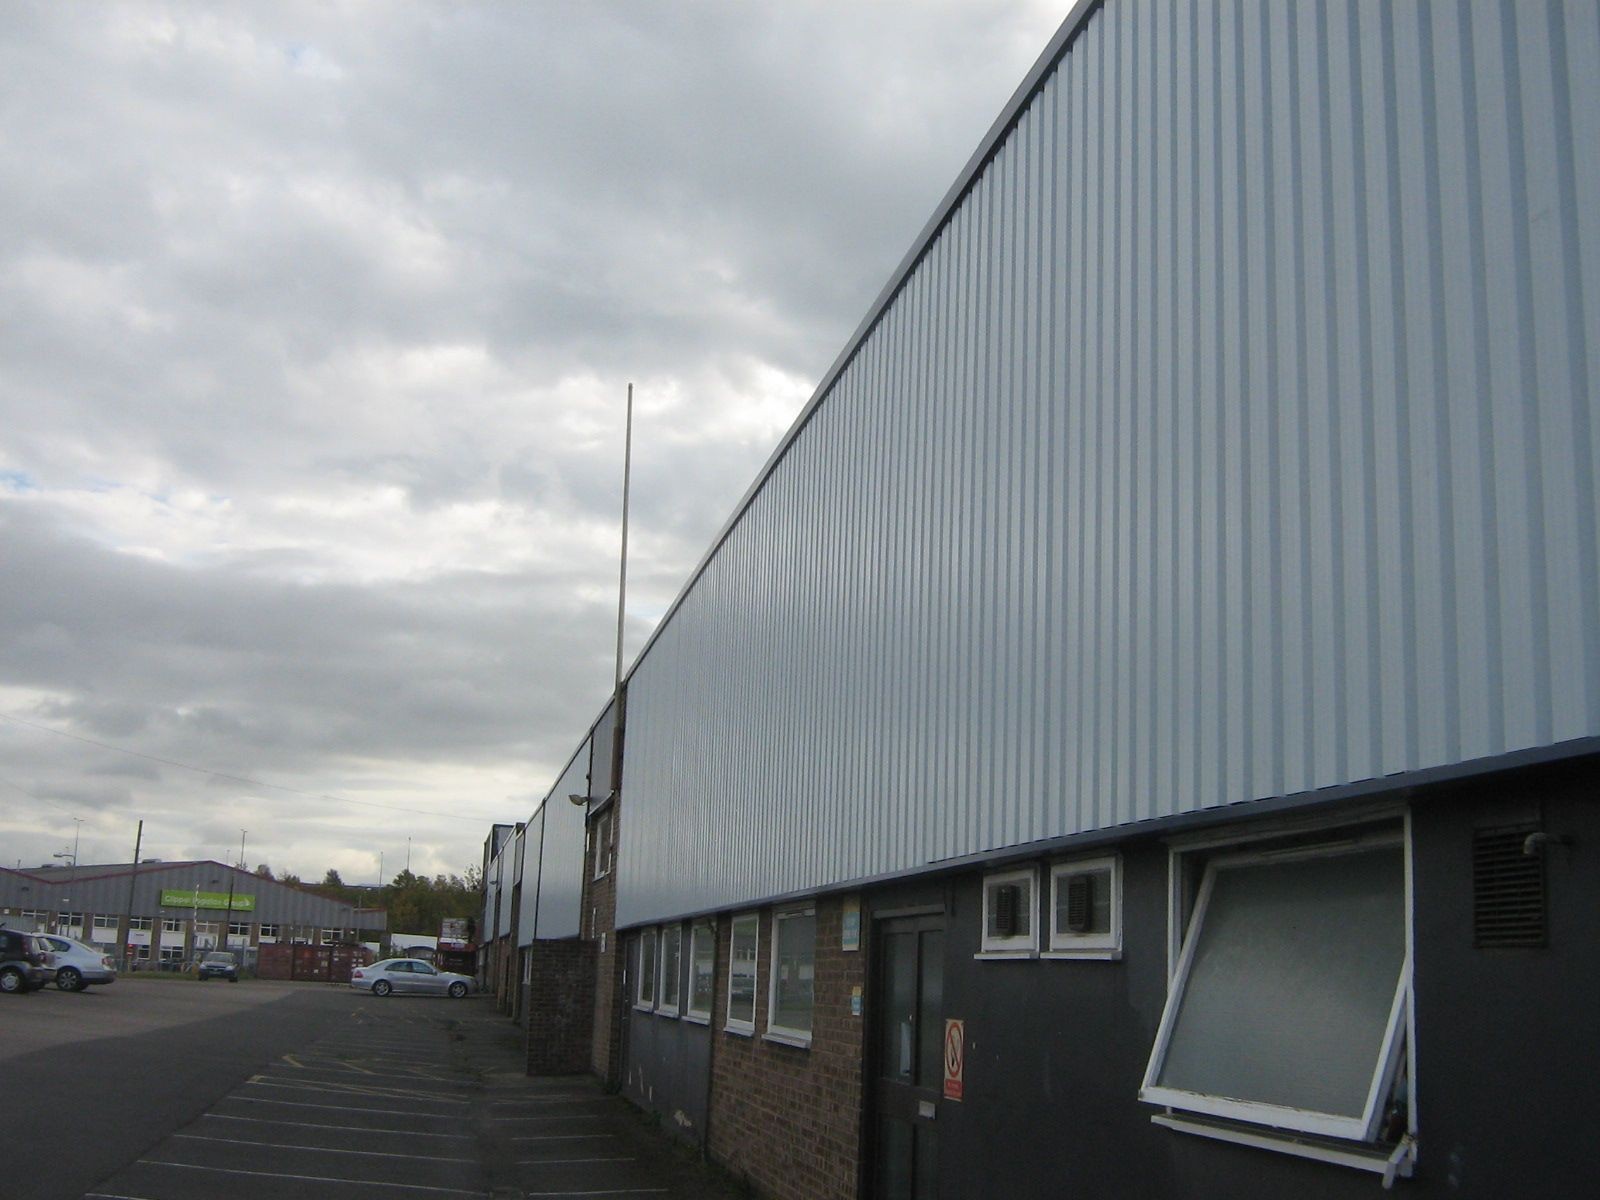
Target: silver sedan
409, 975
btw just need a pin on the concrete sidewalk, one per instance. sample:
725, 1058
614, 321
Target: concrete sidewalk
563, 1136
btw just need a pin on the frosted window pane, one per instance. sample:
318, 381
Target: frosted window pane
1288, 997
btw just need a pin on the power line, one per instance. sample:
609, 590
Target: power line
243, 779
32, 796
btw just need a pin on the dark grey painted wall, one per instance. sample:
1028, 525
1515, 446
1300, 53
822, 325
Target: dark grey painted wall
668, 1060
1508, 1041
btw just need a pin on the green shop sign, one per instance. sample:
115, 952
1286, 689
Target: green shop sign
178, 898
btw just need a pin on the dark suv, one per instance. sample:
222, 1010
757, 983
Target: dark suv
22, 966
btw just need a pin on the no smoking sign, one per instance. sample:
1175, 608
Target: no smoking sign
955, 1056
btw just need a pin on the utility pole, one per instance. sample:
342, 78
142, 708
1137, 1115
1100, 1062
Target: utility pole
127, 916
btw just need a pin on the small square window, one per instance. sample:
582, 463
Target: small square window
743, 948
1010, 924
671, 970
1086, 909
702, 970
646, 995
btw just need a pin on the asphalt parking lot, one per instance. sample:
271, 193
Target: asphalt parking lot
291, 1090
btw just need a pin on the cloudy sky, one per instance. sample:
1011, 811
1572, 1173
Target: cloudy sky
315, 324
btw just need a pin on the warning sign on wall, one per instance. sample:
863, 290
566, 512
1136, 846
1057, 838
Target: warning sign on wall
955, 1054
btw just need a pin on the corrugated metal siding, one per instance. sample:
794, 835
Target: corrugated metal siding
1235, 437
532, 841
562, 862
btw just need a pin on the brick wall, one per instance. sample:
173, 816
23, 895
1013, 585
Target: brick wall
788, 1119
560, 1003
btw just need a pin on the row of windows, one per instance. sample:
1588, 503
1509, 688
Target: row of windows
1085, 911
111, 922
660, 971
1290, 981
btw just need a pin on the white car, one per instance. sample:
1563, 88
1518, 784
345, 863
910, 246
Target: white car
77, 966
409, 975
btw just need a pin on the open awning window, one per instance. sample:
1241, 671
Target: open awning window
1287, 1006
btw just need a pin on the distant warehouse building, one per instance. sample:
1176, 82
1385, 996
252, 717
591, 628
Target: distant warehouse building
167, 912
1140, 733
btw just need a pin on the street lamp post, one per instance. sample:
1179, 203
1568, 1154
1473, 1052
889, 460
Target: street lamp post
77, 832
227, 927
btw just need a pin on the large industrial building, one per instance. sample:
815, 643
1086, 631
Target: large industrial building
164, 913
1140, 733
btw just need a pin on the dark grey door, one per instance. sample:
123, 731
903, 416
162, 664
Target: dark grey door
908, 1062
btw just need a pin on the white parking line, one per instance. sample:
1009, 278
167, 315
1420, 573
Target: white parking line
351, 1071
408, 1187
390, 1112
558, 1162
370, 1093
569, 1117
200, 1137
562, 1137
587, 1098
211, 1116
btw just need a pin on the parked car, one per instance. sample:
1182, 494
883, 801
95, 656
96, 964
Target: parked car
409, 975
77, 965
218, 964
23, 964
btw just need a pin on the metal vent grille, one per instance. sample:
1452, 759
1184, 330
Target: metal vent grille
1508, 906
1008, 910
1080, 903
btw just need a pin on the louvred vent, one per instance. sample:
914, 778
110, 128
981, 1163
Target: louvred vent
1007, 910
1508, 907
1080, 903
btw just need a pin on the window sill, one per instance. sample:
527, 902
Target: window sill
801, 1041
1098, 953
645, 1008
664, 1011
999, 955
697, 1018
740, 1030
1391, 1164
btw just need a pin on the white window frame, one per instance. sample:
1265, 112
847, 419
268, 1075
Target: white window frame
663, 1008
1024, 945
269, 933
701, 933
103, 921
171, 924
646, 976
1066, 944
1285, 1121
732, 1023
143, 923
783, 1033
602, 845
324, 940
239, 929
